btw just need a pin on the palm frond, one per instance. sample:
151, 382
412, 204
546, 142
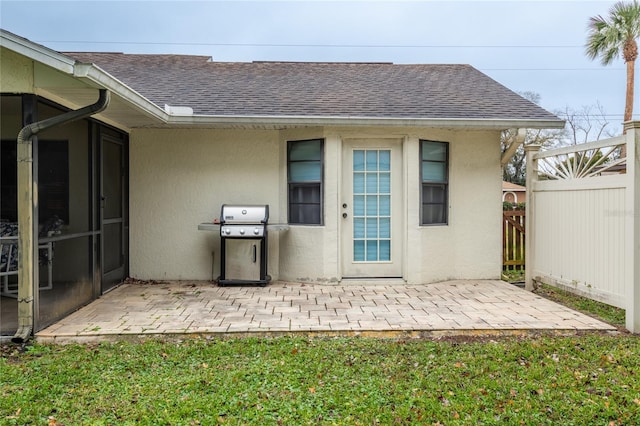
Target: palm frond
606, 36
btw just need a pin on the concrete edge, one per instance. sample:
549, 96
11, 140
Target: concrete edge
375, 334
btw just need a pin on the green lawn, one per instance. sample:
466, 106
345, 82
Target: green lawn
579, 380
587, 379
607, 313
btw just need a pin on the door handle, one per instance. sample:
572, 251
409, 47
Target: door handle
255, 253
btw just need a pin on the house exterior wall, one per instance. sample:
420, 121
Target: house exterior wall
180, 178
470, 245
16, 72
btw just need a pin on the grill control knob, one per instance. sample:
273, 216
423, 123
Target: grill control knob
256, 231
227, 231
241, 231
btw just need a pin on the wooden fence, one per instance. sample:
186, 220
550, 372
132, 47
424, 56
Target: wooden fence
513, 237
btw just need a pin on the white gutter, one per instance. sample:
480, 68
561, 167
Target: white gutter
458, 123
102, 79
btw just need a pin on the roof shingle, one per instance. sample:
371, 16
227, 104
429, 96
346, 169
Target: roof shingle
371, 90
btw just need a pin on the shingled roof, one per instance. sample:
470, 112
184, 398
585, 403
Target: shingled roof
308, 89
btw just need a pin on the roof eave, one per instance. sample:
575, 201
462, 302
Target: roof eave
36, 52
459, 123
99, 78
104, 80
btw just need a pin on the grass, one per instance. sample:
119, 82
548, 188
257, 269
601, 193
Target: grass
590, 379
543, 380
607, 313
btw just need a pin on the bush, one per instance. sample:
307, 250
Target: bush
508, 205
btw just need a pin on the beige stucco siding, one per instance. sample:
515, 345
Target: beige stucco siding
180, 178
16, 72
311, 253
470, 245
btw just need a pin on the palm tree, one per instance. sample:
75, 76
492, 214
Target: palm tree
615, 36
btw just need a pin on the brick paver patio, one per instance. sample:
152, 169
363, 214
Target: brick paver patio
452, 307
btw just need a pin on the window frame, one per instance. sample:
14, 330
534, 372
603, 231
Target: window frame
297, 184
435, 183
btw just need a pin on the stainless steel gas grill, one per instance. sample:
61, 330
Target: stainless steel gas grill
243, 244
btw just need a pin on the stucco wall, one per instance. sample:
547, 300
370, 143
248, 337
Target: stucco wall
180, 179
16, 73
470, 245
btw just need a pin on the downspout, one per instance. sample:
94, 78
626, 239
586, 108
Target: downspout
27, 203
511, 149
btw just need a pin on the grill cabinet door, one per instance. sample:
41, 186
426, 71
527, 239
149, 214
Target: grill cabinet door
242, 259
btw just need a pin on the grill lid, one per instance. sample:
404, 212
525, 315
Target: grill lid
239, 214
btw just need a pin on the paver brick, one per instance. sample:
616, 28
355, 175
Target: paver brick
176, 308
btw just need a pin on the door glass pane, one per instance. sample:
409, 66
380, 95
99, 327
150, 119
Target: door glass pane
358, 205
385, 205
372, 228
372, 160
358, 183
372, 205
372, 182
385, 227
372, 250
385, 183
371, 212
385, 249
385, 161
358, 161
358, 250
358, 228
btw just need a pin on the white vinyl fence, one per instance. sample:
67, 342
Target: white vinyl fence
583, 225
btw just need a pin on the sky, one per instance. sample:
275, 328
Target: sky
529, 46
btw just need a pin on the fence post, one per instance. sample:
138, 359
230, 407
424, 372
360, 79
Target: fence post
529, 242
632, 276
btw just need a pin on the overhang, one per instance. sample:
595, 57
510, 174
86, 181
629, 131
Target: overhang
73, 84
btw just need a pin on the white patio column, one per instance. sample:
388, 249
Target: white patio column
632, 262
529, 242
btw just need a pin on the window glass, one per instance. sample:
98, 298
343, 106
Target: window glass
305, 150
304, 171
434, 176
434, 172
434, 151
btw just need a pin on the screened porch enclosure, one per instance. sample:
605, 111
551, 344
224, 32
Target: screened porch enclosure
71, 172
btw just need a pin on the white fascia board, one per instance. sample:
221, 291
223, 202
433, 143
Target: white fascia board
82, 71
37, 52
459, 123
104, 80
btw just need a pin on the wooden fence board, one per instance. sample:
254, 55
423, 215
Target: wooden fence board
513, 238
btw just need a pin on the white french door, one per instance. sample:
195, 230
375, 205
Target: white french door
371, 208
